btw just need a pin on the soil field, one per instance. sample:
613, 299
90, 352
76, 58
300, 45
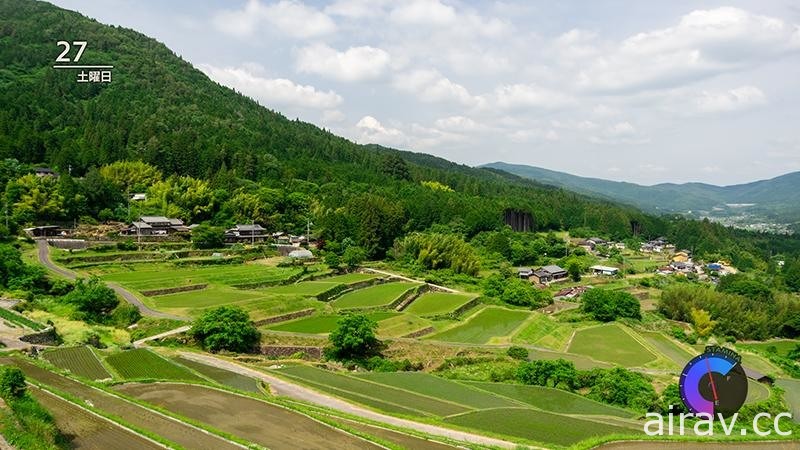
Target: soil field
222, 376
251, 419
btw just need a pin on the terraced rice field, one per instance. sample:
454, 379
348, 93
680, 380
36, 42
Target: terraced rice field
379, 396
782, 346
758, 363
554, 400
401, 439
791, 390
666, 346
142, 363
488, 323
210, 296
222, 376
612, 344
350, 278
133, 414
322, 324
273, 306
374, 296
542, 331
257, 421
438, 303
539, 426
756, 391
401, 325
433, 386
168, 276
306, 288
80, 361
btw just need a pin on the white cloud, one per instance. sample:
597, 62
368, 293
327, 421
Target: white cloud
424, 12
619, 133
528, 96
458, 124
354, 64
356, 9
736, 99
272, 92
704, 43
370, 130
534, 135
332, 116
289, 17
431, 86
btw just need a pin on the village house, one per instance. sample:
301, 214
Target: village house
156, 226
246, 233
548, 274
524, 272
604, 270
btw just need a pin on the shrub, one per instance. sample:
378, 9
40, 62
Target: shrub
517, 352
354, 339
226, 328
12, 383
607, 305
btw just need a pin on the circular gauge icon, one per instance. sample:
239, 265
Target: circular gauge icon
714, 383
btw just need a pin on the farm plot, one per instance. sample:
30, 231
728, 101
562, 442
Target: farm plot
438, 303
378, 393
80, 361
169, 276
542, 331
275, 305
374, 296
581, 362
433, 386
480, 328
306, 288
756, 391
87, 431
554, 400
758, 363
254, 420
222, 376
136, 415
20, 320
537, 426
612, 344
782, 346
321, 324
401, 439
350, 278
791, 390
211, 296
401, 325
666, 346
142, 363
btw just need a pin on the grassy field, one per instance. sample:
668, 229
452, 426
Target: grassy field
612, 344
791, 390
142, 363
436, 303
672, 350
758, 363
321, 324
486, 324
210, 296
378, 295
222, 376
542, 331
401, 325
536, 425
20, 320
306, 288
350, 278
256, 421
782, 346
554, 400
433, 386
78, 360
168, 276
756, 391
379, 394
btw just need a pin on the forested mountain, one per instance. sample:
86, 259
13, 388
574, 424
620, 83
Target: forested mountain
778, 198
221, 158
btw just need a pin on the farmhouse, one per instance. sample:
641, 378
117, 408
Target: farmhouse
548, 274
524, 272
681, 256
155, 226
246, 233
604, 270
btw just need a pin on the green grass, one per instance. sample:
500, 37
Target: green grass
350, 278
378, 295
542, 331
433, 386
668, 347
537, 426
306, 288
222, 376
480, 328
20, 320
80, 361
325, 379
437, 303
211, 296
612, 344
273, 306
160, 276
791, 390
782, 346
401, 325
554, 400
142, 363
758, 363
756, 391
321, 324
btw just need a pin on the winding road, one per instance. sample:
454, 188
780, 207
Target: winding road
295, 391
44, 259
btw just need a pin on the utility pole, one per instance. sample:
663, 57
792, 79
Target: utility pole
252, 233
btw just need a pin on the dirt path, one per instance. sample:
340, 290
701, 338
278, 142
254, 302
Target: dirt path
143, 342
401, 277
295, 391
44, 259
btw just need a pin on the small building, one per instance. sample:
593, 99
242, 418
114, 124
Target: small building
301, 253
45, 231
681, 256
714, 266
138, 197
524, 272
156, 226
587, 245
548, 274
44, 172
665, 270
758, 376
246, 233
604, 270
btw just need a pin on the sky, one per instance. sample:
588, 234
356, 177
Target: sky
645, 92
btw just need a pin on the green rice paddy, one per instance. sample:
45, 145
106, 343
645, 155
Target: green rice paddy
373, 296
437, 303
488, 323
612, 344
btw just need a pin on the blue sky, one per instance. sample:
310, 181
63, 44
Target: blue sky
638, 91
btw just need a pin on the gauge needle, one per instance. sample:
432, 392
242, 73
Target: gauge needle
713, 385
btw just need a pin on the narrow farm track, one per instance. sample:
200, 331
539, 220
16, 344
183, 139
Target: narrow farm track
44, 259
286, 388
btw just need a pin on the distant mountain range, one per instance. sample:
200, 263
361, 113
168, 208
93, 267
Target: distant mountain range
776, 199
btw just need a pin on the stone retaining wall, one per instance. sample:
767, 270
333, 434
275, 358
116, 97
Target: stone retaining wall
284, 317
165, 291
285, 351
48, 336
422, 332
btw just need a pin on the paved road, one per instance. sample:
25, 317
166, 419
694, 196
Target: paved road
44, 259
298, 392
143, 342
